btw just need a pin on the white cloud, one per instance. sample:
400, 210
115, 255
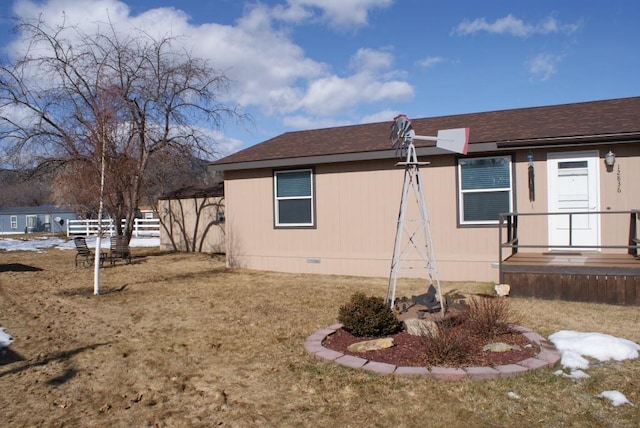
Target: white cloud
543, 66
336, 13
300, 122
509, 24
268, 70
87, 14
330, 95
334, 94
372, 81
430, 61
370, 59
292, 13
227, 145
515, 26
381, 116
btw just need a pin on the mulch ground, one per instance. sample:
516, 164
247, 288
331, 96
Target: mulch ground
413, 351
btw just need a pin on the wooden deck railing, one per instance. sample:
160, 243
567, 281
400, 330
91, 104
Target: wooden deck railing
508, 228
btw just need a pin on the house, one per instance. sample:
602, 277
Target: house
146, 212
192, 219
43, 218
326, 200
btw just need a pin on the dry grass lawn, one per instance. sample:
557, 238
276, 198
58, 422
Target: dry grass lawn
179, 340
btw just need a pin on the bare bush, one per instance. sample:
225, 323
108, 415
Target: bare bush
450, 345
488, 317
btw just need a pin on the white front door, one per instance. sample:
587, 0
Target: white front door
573, 187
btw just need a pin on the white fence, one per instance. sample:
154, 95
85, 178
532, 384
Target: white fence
141, 227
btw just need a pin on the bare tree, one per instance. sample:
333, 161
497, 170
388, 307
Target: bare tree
171, 170
166, 171
73, 97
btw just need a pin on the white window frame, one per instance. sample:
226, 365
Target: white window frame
14, 221
31, 218
277, 199
462, 192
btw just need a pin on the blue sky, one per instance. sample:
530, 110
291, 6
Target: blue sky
303, 64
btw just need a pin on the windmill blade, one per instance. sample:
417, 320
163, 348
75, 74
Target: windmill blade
400, 129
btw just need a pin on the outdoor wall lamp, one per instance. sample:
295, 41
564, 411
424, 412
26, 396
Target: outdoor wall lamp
609, 160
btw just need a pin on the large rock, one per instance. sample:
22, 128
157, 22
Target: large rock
455, 297
500, 347
502, 290
371, 345
416, 327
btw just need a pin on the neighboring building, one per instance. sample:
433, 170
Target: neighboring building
192, 219
146, 212
44, 218
326, 200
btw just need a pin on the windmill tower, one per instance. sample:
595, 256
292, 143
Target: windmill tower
414, 235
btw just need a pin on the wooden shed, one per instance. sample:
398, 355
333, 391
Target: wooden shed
193, 219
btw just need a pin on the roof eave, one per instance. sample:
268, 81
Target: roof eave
626, 137
478, 147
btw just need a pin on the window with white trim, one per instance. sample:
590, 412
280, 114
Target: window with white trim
32, 221
293, 198
14, 221
484, 189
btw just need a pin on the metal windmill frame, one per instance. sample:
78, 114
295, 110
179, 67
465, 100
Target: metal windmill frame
419, 237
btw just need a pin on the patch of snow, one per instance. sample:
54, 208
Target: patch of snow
145, 242
616, 397
574, 345
5, 339
573, 360
9, 244
573, 374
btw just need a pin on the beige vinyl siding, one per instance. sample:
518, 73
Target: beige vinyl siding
620, 195
356, 215
357, 210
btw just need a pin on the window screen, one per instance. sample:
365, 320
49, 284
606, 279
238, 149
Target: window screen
484, 189
294, 198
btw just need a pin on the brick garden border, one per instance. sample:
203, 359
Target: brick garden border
546, 358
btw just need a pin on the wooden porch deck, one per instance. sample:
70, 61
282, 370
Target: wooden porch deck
569, 271
577, 276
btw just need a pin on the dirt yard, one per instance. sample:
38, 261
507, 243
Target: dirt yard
179, 340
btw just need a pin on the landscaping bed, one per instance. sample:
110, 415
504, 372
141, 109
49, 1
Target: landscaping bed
411, 350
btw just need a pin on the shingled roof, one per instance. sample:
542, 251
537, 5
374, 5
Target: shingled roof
40, 209
616, 120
